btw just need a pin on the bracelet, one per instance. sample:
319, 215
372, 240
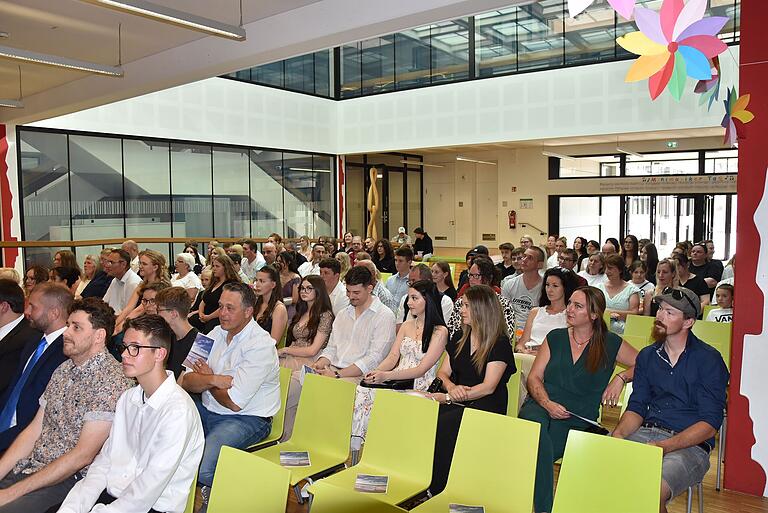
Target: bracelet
336, 373
448, 399
622, 378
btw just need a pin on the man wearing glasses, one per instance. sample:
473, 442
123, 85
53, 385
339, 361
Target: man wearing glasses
678, 395
150, 459
73, 421
124, 280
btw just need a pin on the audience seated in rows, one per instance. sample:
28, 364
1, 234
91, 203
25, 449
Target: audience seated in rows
414, 355
379, 290
100, 282
397, 284
289, 280
73, 419
621, 298
124, 280
570, 377
442, 276
185, 276
595, 271
312, 265
252, 260
523, 291
330, 272
421, 272
34, 275
678, 411
222, 272
149, 465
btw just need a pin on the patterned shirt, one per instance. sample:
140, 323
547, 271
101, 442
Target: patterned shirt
75, 395
454, 323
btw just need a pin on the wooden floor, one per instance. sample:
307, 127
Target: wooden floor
723, 501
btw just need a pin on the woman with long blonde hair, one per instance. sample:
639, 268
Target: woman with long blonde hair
343, 258
475, 373
666, 276
152, 269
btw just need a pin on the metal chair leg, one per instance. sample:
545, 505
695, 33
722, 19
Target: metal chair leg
689, 502
701, 497
297, 491
720, 452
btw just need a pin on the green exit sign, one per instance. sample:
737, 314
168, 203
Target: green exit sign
672, 144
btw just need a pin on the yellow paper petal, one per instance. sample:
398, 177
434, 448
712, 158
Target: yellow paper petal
639, 44
743, 115
741, 103
645, 66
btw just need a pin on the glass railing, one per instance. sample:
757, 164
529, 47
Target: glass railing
517, 39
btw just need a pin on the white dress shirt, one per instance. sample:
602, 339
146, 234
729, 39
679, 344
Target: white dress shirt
120, 291
7, 328
251, 268
362, 341
308, 268
189, 281
339, 299
150, 458
251, 360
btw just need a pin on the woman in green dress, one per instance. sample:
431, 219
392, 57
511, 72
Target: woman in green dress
572, 374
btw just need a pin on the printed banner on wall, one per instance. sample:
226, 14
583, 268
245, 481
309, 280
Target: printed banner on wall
671, 184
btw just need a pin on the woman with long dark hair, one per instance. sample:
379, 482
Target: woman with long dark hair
580, 247
198, 266
414, 355
572, 374
475, 373
222, 271
270, 312
441, 275
650, 255
593, 248
34, 275
289, 281
384, 256
630, 252
310, 326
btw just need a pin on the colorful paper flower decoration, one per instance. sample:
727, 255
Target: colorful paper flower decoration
735, 110
675, 43
623, 7
710, 89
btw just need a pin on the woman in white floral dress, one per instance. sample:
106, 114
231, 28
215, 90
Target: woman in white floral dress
414, 355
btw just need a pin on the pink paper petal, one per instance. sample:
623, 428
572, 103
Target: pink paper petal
708, 45
705, 27
670, 10
648, 22
692, 12
623, 7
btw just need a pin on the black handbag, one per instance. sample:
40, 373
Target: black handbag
394, 384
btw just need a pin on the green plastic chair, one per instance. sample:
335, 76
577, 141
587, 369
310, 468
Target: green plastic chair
706, 310
328, 498
234, 489
383, 277
190, 507
513, 391
717, 335
480, 472
400, 444
639, 326
323, 428
590, 481
278, 420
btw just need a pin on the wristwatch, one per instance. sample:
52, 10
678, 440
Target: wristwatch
336, 373
448, 399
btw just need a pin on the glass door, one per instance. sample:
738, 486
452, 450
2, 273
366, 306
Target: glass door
686, 218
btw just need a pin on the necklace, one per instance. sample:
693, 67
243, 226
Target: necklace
580, 344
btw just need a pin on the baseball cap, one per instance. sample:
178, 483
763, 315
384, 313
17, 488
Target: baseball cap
681, 298
401, 229
478, 250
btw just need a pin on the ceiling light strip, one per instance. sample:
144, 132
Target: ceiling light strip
418, 163
467, 159
61, 62
168, 15
13, 104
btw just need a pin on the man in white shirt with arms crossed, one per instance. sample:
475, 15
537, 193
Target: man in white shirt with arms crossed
151, 457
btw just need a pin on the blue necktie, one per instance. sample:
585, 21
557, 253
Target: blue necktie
6, 417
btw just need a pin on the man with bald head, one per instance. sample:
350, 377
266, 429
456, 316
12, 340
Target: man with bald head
379, 290
133, 249
270, 252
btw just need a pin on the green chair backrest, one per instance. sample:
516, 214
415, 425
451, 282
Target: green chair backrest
480, 471
607, 319
590, 481
233, 489
332, 499
717, 335
384, 277
453, 274
281, 343
190, 507
401, 435
279, 418
513, 390
324, 416
706, 310
639, 326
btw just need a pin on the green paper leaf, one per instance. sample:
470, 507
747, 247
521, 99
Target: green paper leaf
677, 82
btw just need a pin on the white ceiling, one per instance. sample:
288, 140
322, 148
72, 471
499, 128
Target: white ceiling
157, 56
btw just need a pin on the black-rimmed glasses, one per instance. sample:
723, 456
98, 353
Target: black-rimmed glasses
133, 349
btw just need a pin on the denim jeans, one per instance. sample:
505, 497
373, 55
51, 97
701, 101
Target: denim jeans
238, 431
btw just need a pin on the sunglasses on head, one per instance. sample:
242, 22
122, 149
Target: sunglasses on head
677, 295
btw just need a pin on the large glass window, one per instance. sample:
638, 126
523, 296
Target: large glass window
496, 42
540, 28
719, 162
266, 192
449, 41
591, 36
652, 164
192, 190
231, 202
377, 64
682, 163
323, 195
412, 58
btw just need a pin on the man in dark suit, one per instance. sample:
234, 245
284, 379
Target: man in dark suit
47, 311
15, 331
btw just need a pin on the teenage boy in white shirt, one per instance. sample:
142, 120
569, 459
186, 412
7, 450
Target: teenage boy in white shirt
156, 441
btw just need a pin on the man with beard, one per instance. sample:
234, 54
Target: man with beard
46, 311
678, 394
